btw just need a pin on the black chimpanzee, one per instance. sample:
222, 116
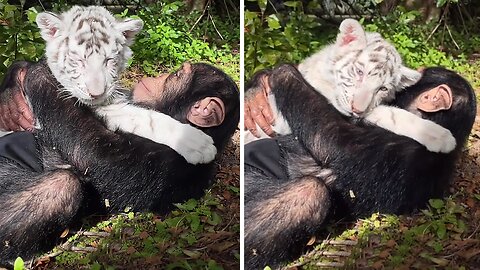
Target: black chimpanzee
85, 164
333, 165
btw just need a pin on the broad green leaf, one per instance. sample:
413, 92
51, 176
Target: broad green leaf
262, 4
273, 21
18, 264
441, 230
441, 3
293, 4
436, 203
194, 222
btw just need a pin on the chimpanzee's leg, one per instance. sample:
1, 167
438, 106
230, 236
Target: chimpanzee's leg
35, 208
281, 219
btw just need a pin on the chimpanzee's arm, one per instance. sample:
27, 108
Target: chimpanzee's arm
313, 120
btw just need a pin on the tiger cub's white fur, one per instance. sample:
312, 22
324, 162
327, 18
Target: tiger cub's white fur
359, 72
86, 50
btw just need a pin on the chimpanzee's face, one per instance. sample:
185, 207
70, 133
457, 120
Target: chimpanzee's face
195, 93
152, 89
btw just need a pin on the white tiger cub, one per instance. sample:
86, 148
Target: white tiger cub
86, 50
359, 72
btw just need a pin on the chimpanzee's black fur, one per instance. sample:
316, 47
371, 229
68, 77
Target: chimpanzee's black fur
385, 172
126, 170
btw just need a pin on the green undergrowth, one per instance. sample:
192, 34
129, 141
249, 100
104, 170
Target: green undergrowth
272, 38
436, 238
170, 36
196, 235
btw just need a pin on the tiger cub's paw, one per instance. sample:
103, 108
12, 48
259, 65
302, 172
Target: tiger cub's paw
192, 144
437, 138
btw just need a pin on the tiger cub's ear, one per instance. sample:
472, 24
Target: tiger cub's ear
351, 36
409, 76
49, 24
129, 28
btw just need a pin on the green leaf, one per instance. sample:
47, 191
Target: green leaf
441, 230
216, 219
293, 4
18, 264
194, 222
436, 203
192, 254
96, 266
273, 21
262, 4
441, 3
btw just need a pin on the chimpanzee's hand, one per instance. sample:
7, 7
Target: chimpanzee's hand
257, 109
15, 114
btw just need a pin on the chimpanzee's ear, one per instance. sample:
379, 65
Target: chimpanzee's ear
208, 112
436, 99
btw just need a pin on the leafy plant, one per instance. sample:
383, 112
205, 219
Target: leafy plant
167, 40
19, 37
274, 38
290, 37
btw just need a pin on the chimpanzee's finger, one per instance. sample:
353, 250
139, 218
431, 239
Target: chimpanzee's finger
3, 125
262, 104
262, 100
256, 112
9, 118
22, 107
249, 124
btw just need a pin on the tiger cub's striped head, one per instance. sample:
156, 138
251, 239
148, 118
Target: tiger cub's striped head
368, 70
86, 49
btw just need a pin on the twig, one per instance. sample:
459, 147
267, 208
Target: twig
450, 33
83, 249
41, 4
201, 16
435, 29
330, 264
99, 234
226, 8
64, 247
463, 20
340, 242
228, 224
474, 231
214, 26
335, 253
273, 6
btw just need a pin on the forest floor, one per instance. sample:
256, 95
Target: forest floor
446, 235
199, 234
